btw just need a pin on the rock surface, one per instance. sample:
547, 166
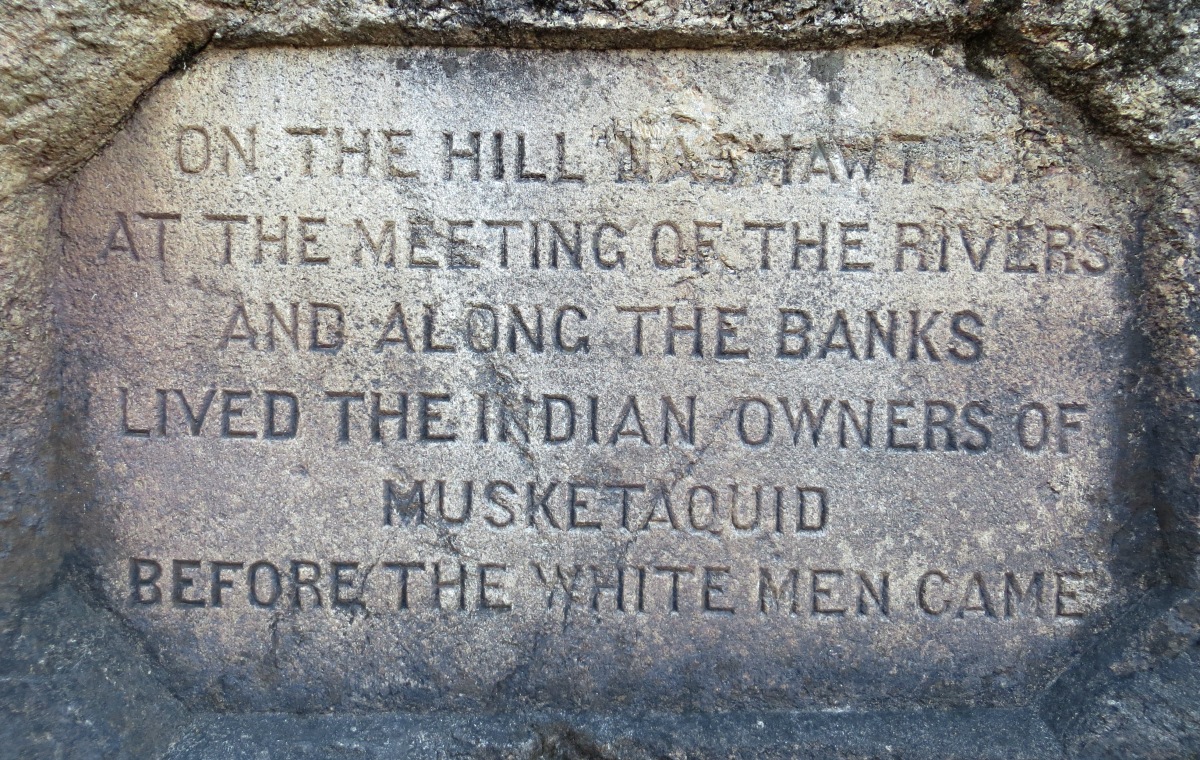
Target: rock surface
70, 73
683, 358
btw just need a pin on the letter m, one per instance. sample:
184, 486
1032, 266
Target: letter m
1015, 597
777, 595
408, 506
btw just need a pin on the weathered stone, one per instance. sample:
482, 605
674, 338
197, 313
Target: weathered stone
1131, 694
1123, 685
70, 72
593, 23
984, 734
1132, 64
669, 381
1170, 244
30, 539
75, 683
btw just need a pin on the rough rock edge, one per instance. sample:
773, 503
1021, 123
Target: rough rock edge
30, 537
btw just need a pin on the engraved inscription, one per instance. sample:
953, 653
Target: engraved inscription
425, 377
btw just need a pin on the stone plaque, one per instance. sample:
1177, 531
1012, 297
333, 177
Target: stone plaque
697, 379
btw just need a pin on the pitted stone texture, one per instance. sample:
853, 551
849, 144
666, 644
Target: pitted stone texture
71, 70
758, 735
30, 539
1171, 263
1132, 65
1134, 694
76, 684
146, 328
595, 23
